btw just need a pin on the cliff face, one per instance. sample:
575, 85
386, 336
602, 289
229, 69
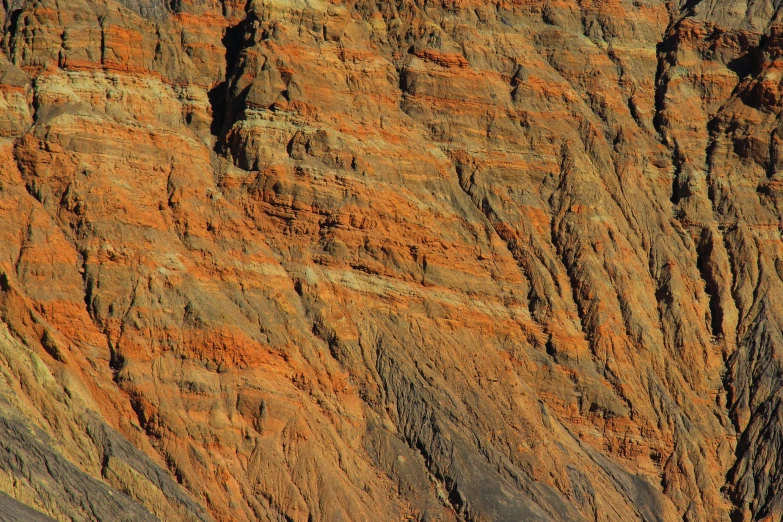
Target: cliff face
367, 260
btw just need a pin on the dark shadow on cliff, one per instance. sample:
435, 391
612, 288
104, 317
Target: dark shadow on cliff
224, 104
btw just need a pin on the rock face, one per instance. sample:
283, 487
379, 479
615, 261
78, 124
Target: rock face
301, 260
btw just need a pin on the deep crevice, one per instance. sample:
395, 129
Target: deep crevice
704, 252
223, 104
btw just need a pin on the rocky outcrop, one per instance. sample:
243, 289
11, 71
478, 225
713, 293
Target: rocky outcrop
390, 260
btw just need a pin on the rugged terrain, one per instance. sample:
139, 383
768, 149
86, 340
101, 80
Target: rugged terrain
294, 260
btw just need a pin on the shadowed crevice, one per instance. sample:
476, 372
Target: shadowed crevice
226, 104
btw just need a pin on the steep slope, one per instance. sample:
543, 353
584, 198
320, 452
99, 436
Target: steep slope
300, 260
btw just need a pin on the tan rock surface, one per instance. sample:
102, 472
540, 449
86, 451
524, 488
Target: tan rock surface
309, 260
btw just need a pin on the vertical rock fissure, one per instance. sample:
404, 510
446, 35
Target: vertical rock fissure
467, 186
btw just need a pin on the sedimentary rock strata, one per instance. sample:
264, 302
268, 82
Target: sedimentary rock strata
354, 260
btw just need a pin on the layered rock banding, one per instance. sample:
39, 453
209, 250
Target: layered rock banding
310, 260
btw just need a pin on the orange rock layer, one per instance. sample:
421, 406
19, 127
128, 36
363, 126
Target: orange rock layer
319, 261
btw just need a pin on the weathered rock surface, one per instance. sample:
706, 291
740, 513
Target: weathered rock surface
309, 260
